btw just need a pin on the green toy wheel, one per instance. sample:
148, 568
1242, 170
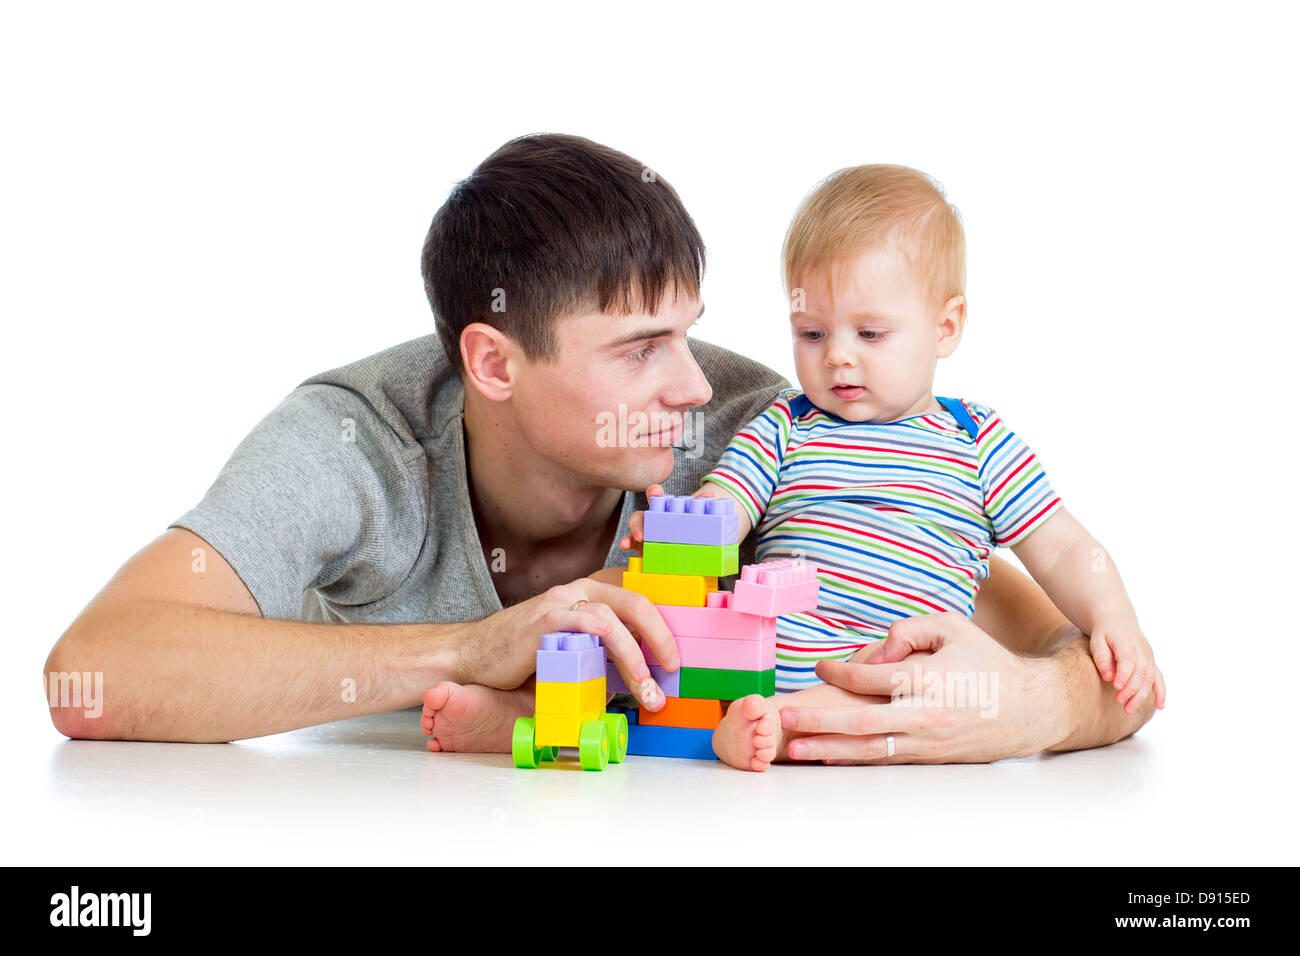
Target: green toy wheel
523, 746
616, 724
593, 745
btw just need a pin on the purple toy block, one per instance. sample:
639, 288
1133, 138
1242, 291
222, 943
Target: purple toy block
728, 655
569, 641
570, 657
669, 682
724, 623
774, 588
680, 519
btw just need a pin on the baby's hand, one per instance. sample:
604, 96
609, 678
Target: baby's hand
636, 524
1122, 655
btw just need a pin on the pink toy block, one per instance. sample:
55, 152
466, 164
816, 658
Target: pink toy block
773, 588
724, 623
724, 654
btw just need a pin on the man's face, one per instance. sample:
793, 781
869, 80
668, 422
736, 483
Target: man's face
615, 399
867, 342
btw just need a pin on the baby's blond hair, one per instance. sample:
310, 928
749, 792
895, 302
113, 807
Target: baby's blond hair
864, 208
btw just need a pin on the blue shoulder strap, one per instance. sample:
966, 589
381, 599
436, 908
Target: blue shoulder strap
958, 411
800, 405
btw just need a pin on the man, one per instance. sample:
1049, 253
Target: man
426, 513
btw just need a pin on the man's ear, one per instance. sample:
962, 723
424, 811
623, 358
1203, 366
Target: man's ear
486, 353
952, 319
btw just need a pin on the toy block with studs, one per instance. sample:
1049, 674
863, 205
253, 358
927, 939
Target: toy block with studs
669, 681
711, 560
689, 742
773, 588
681, 519
684, 712
688, 590
704, 682
720, 654
718, 620
726, 641
570, 709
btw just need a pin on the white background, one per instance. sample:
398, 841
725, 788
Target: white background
205, 204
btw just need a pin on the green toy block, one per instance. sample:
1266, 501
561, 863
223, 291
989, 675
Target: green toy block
714, 684
714, 560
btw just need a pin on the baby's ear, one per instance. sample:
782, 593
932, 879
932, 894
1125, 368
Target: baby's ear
952, 320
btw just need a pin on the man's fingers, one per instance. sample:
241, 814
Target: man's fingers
625, 652
874, 749
857, 719
925, 632
584, 620
640, 617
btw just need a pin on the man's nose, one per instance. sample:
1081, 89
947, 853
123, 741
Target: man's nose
687, 388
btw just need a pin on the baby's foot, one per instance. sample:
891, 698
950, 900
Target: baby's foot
471, 718
750, 734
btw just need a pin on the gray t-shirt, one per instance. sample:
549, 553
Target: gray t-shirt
349, 501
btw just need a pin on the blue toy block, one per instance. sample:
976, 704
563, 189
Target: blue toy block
680, 519
688, 742
570, 657
669, 681
629, 712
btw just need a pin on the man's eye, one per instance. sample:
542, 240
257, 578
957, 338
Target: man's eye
640, 355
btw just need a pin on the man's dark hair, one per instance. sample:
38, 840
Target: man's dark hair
550, 225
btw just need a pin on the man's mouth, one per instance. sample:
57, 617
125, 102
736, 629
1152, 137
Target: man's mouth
669, 436
848, 393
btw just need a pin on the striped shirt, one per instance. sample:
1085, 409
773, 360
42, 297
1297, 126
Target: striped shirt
899, 517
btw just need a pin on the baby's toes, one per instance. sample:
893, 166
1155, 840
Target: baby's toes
754, 707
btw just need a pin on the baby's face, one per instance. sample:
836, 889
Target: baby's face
867, 342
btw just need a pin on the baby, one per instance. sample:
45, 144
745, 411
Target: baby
897, 497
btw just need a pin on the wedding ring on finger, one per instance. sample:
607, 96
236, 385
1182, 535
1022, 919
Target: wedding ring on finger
889, 744
579, 604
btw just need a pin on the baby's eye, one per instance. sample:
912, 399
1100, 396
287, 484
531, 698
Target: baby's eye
812, 335
872, 335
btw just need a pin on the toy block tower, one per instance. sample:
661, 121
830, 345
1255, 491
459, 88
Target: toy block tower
570, 708
726, 640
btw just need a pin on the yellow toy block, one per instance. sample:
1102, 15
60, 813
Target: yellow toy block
563, 730
682, 590
560, 698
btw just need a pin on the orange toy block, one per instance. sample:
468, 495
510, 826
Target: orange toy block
684, 712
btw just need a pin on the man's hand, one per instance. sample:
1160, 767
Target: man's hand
501, 650
923, 658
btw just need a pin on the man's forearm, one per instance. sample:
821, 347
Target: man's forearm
1095, 718
174, 672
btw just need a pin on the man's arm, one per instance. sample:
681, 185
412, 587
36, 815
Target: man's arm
186, 656
1050, 694
1015, 611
